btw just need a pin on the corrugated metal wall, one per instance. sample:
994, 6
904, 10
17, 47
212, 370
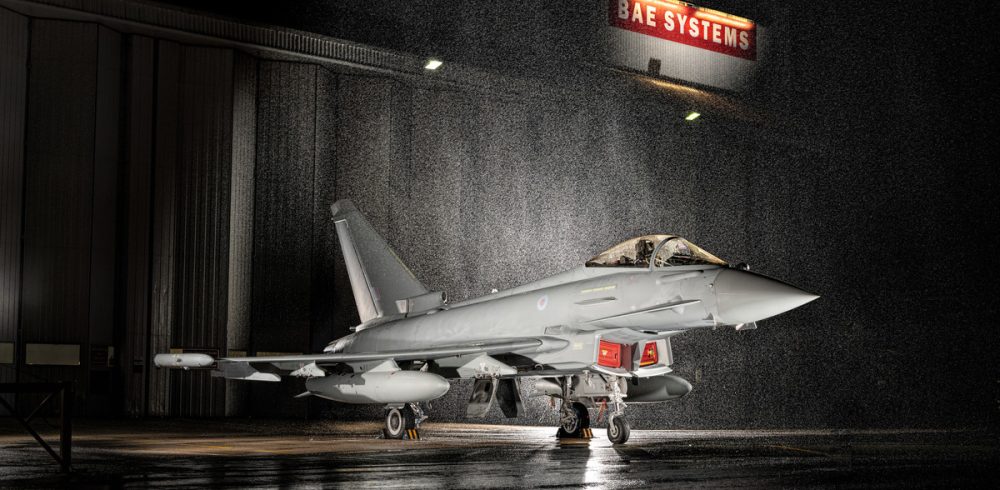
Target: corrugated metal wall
283, 221
164, 229
104, 222
137, 162
203, 170
59, 190
13, 86
373, 161
241, 213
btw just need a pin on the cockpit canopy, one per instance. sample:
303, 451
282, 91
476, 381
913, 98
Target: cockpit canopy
655, 250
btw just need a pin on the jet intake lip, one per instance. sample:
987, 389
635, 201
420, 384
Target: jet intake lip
745, 297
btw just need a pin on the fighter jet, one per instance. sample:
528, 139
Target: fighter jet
594, 337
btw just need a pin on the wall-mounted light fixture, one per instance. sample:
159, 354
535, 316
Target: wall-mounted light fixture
692, 116
433, 64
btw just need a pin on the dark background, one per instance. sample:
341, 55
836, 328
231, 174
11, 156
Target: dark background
180, 199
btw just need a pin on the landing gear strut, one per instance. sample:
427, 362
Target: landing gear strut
618, 429
574, 418
402, 421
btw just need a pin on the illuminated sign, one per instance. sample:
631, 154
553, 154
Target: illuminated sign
686, 24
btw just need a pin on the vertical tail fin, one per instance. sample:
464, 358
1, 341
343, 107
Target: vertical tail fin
378, 277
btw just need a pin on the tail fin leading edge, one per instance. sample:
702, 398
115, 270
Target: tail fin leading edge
378, 277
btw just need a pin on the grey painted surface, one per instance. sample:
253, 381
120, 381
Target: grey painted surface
481, 189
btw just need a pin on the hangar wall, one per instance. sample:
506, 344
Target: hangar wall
13, 64
175, 195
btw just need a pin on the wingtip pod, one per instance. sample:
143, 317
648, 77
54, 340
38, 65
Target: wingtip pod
184, 361
341, 209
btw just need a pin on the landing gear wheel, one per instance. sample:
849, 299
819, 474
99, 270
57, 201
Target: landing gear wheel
583, 414
573, 421
618, 430
397, 421
570, 424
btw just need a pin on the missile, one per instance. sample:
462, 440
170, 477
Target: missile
379, 387
185, 361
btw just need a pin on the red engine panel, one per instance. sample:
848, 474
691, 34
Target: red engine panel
609, 354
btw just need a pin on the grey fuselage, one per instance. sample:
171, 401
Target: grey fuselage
563, 310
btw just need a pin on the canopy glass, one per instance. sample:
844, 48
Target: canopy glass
655, 250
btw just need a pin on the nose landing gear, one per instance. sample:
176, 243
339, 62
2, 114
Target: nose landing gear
618, 429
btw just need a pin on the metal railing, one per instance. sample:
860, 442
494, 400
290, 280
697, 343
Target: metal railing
65, 391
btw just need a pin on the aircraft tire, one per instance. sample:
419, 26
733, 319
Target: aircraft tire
570, 428
583, 414
581, 421
618, 430
397, 421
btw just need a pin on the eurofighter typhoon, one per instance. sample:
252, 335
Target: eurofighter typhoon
594, 337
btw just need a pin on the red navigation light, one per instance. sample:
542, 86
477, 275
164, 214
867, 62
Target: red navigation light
649, 355
609, 354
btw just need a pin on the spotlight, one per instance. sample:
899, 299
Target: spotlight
433, 64
692, 116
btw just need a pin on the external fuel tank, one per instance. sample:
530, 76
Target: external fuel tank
379, 387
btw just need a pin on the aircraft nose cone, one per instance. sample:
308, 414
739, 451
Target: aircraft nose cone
745, 297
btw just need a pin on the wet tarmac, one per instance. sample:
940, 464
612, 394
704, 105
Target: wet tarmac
200, 453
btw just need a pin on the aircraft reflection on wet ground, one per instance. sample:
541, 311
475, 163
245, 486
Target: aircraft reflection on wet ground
268, 454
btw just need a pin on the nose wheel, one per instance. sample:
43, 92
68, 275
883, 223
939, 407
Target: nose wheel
618, 429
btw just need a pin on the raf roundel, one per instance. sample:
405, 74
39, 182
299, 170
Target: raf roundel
543, 302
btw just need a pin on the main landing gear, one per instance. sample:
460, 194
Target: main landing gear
574, 418
402, 421
574, 422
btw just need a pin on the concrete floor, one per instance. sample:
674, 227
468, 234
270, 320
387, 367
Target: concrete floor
240, 453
